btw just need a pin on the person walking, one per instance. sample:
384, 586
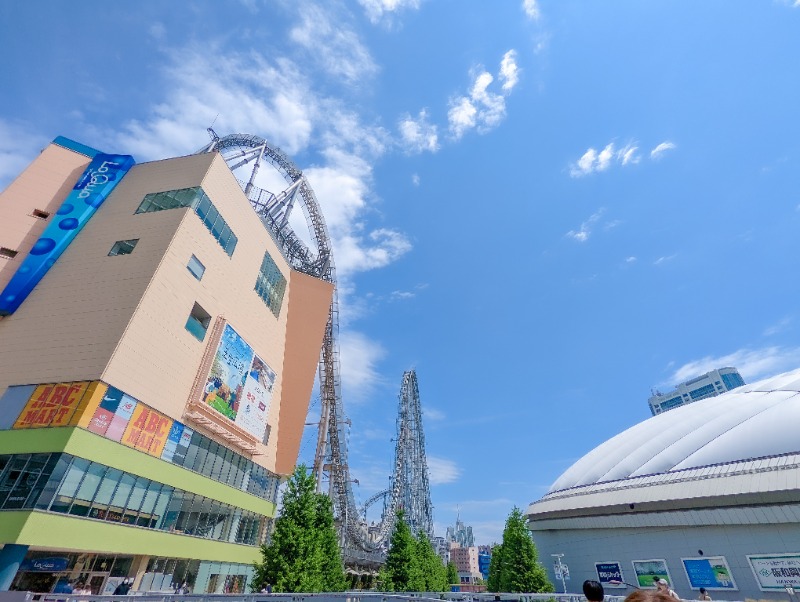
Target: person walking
703, 595
593, 590
664, 588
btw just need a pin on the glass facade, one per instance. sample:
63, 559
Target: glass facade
271, 285
732, 380
69, 485
198, 200
702, 392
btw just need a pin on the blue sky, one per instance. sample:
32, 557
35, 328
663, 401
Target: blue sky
546, 208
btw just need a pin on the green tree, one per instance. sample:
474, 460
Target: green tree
303, 554
401, 573
515, 567
432, 570
452, 573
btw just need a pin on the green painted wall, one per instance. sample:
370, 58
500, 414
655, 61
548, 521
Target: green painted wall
57, 531
90, 446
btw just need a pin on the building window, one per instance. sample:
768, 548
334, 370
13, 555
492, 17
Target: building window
271, 285
7, 253
198, 322
196, 268
123, 247
38, 213
198, 200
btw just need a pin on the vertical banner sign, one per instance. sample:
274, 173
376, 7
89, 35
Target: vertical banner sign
93, 187
776, 572
609, 574
710, 572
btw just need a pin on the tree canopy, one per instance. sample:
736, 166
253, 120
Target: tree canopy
412, 565
303, 553
515, 567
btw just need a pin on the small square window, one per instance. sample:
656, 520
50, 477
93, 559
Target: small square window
198, 322
196, 268
40, 214
123, 247
7, 253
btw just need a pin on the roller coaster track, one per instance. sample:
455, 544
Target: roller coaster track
361, 546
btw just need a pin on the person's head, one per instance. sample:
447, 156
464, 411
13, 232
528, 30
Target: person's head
662, 585
593, 591
649, 595
702, 590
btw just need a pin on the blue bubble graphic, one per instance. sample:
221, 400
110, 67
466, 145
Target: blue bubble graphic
42, 246
65, 209
94, 200
24, 269
68, 223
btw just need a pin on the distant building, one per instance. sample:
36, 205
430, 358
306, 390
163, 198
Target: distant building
484, 560
442, 549
709, 384
460, 534
466, 561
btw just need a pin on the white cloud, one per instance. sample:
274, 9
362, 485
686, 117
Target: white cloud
604, 158
630, 259
328, 40
662, 148
753, 364
418, 134
509, 72
627, 154
157, 31
433, 414
18, 145
664, 259
592, 161
442, 471
531, 8
377, 9
401, 295
483, 109
778, 327
585, 231
415, 179
359, 359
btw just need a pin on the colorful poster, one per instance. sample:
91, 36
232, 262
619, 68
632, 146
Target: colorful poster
609, 574
776, 571
173, 439
51, 405
89, 192
710, 572
123, 413
240, 384
105, 412
647, 571
147, 431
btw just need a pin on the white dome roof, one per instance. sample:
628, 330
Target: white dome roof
751, 421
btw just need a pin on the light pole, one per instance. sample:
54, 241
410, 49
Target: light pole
560, 567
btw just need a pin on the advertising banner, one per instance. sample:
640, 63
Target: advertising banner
92, 188
648, 571
51, 405
609, 574
147, 431
240, 384
776, 571
123, 413
710, 572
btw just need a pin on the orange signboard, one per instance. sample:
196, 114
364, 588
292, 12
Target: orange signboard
52, 405
147, 430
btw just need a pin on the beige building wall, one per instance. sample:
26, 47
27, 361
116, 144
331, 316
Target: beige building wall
122, 319
43, 185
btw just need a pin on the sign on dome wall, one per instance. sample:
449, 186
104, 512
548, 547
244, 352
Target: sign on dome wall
710, 572
609, 574
648, 571
776, 572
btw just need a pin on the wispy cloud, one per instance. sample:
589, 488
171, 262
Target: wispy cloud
593, 161
359, 358
18, 144
662, 148
415, 179
753, 364
433, 414
379, 9
442, 471
583, 233
664, 259
483, 109
531, 9
630, 260
778, 327
418, 134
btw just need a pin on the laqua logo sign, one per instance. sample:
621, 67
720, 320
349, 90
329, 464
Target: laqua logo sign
92, 188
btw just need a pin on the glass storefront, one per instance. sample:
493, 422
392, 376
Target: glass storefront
61, 572
69, 485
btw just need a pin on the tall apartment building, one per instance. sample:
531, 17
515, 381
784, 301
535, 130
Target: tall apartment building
157, 356
466, 561
709, 384
460, 534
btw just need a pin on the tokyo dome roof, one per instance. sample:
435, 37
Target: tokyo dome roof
752, 421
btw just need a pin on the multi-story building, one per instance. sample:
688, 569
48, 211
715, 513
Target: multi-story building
157, 355
442, 549
484, 560
466, 561
460, 534
709, 384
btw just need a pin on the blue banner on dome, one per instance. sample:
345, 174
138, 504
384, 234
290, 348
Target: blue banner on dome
92, 188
